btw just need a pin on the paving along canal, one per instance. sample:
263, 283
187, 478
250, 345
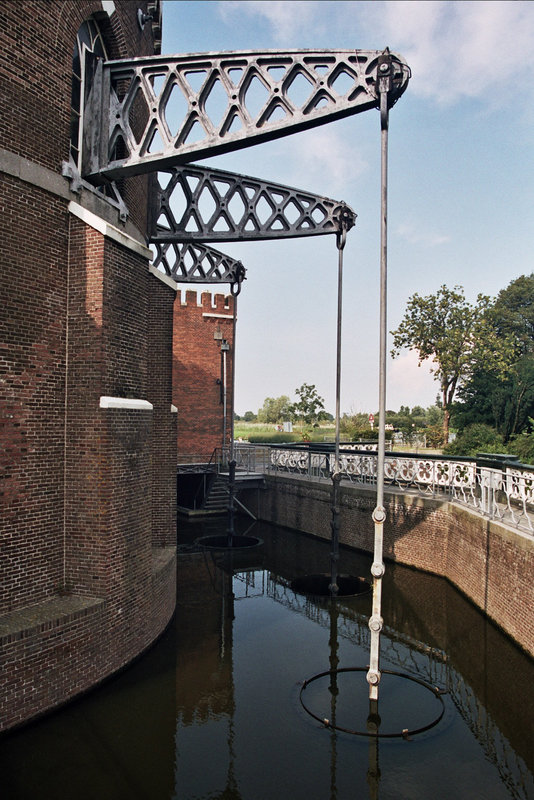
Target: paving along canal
214, 710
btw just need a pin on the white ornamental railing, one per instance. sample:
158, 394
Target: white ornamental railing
505, 494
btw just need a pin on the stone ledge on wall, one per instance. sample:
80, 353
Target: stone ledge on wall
54, 613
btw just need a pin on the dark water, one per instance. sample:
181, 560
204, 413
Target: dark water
213, 710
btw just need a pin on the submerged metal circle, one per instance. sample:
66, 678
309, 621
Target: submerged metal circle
319, 585
402, 734
221, 542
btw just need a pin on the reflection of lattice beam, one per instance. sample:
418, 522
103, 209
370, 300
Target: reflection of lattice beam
188, 262
204, 204
146, 114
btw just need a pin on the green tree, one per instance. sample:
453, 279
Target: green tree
249, 416
446, 329
504, 398
434, 415
309, 407
274, 409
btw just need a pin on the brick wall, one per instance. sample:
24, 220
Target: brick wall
197, 368
87, 575
32, 365
163, 467
491, 564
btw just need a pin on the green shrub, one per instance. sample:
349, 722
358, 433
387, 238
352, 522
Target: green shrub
434, 435
274, 438
476, 438
363, 434
522, 445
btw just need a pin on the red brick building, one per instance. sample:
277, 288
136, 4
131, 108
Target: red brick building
88, 440
202, 372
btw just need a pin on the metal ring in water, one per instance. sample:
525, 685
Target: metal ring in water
220, 542
405, 733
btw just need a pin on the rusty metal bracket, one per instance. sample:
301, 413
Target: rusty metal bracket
148, 114
202, 204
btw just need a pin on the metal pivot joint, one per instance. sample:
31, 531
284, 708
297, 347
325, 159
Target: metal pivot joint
388, 83
237, 280
345, 219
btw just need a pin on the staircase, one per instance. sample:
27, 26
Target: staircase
216, 495
217, 498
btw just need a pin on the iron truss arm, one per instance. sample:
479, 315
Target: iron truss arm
147, 114
189, 262
209, 205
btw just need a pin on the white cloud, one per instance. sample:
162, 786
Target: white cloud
286, 19
415, 234
457, 49
323, 152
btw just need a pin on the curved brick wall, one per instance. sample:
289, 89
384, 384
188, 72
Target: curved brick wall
88, 568
490, 563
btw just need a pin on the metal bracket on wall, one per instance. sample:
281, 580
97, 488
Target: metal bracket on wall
193, 262
202, 204
148, 114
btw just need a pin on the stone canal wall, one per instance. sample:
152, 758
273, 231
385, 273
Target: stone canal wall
490, 563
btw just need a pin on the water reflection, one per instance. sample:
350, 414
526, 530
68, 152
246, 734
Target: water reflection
213, 712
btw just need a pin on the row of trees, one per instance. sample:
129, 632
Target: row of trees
411, 423
308, 408
482, 355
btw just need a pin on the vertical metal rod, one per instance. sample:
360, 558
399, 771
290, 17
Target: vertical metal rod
225, 402
336, 474
379, 513
341, 244
232, 402
232, 464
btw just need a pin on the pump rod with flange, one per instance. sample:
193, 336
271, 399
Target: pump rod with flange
379, 514
235, 288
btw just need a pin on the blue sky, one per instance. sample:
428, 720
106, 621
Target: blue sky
461, 184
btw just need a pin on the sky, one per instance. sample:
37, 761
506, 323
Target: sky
461, 185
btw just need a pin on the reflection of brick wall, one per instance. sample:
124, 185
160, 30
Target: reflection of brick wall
197, 368
87, 578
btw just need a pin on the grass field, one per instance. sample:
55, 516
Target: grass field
257, 431
261, 433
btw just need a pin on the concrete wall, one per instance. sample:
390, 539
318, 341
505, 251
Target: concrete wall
490, 563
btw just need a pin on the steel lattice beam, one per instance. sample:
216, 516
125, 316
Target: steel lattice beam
202, 204
189, 262
146, 114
